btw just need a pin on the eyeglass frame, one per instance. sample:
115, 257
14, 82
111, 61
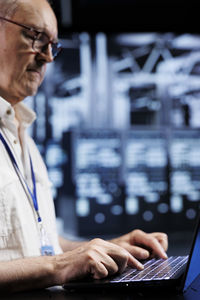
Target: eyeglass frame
35, 37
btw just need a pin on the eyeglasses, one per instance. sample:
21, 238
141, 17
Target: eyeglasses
40, 39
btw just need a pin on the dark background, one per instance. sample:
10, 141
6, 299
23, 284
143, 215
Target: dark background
128, 15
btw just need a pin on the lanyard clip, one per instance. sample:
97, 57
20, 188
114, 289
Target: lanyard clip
38, 217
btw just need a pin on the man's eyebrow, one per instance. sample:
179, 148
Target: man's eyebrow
42, 30
54, 40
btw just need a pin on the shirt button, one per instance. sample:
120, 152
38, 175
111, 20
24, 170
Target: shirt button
8, 112
15, 141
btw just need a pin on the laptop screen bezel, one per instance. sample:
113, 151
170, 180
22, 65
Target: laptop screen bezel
183, 288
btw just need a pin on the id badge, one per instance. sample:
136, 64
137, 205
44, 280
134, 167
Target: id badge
47, 251
46, 248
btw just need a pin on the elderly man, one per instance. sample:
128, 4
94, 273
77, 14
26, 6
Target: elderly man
31, 253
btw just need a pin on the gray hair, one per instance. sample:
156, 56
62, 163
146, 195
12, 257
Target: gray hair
9, 7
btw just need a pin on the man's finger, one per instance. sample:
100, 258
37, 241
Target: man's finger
162, 238
151, 242
134, 263
138, 252
156, 247
98, 270
110, 264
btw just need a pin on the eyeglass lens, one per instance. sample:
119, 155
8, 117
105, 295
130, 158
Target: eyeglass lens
42, 42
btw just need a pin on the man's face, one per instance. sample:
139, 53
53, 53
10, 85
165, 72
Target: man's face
21, 69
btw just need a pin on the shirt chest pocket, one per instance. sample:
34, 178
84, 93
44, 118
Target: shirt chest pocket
9, 215
17, 223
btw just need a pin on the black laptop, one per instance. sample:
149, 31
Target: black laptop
176, 273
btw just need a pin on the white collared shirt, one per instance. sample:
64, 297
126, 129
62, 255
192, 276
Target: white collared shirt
19, 230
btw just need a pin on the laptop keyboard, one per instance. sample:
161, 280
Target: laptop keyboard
154, 269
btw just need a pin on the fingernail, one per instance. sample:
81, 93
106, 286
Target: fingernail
165, 255
144, 255
140, 266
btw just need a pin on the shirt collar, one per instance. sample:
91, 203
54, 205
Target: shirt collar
25, 115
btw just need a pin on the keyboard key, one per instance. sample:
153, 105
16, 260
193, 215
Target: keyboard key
154, 269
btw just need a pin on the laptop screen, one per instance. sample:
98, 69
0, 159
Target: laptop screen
194, 263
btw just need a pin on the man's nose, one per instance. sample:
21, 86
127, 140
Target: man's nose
46, 54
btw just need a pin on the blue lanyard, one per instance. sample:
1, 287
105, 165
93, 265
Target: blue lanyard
32, 194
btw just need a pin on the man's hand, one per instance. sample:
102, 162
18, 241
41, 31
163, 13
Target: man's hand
97, 259
144, 245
